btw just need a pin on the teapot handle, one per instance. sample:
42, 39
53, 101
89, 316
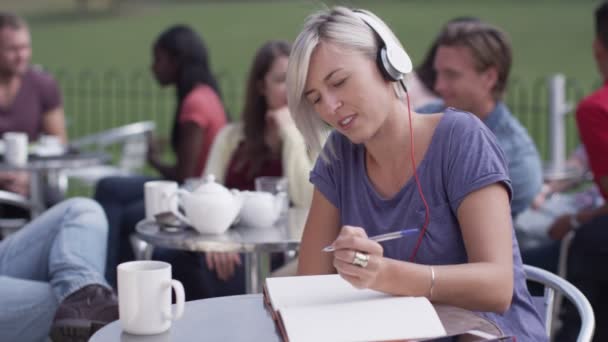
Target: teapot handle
175, 210
180, 217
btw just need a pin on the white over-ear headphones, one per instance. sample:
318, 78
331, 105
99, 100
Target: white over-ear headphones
393, 61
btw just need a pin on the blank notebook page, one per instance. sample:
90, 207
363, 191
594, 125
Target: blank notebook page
311, 290
327, 308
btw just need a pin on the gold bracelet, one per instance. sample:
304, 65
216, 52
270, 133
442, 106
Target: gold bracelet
432, 282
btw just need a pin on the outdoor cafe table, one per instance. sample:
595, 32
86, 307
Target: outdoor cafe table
48, 169
255, 243
244, 318
560, 173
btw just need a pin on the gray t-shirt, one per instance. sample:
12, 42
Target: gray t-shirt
463, 156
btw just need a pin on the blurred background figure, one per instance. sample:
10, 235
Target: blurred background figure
30, 101
589, 248
472, 64
265, 143
553, 201
180, 59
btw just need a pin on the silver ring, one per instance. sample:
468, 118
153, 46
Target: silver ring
361, 259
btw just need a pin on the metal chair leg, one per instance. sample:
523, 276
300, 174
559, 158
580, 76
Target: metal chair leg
141, 249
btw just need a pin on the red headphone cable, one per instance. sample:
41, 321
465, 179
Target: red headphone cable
426, 206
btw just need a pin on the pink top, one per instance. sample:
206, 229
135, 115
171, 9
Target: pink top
204, 108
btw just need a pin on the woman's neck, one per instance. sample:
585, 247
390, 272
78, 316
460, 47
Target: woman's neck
386, 147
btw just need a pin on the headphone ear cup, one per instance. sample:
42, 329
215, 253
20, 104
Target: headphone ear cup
381, 61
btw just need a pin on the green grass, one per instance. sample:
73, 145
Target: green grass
548, 36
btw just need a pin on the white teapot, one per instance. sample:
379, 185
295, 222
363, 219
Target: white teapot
211, 208
262, 209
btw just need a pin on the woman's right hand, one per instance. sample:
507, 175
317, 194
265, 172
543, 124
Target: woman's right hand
224, 264
280, 117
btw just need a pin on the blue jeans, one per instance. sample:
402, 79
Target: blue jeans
53, 256
199, 281
122, 199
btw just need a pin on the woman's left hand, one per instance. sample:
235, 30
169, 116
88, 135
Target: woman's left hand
353, 240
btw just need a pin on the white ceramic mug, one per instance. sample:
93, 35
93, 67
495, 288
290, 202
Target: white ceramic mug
15, 148
159, 196
144, 297
49, 140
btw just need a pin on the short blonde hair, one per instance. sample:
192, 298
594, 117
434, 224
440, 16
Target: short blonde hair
341, 27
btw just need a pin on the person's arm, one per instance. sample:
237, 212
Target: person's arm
321, 229
592, 122
549, 188
188, 150
296, 161
53, 123
15, 181
485, 222
566, 223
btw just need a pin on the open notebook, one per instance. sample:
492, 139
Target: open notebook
327, 308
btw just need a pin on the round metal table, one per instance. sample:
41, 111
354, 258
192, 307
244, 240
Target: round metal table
255, 243
48, 169
558, 173
245, 318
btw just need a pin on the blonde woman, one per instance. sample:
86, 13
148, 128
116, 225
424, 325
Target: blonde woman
345, 71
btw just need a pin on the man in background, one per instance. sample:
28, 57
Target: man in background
30, 100
472, 65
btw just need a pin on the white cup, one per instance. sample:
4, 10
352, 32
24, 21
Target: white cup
49, 140
15, 150
159, 196
277, 186
144, 297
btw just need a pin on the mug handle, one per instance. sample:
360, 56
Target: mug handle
180, 296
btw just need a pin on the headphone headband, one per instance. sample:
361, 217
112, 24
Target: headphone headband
394, 61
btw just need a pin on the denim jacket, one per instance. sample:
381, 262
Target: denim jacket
525, 169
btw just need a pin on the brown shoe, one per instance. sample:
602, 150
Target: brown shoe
84, 312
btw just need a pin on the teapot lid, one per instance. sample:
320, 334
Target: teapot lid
209, 185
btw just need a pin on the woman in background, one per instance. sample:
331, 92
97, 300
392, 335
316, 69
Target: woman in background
265, 143
180, 59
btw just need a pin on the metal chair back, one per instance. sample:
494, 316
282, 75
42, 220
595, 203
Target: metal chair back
553, 284
133, 138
